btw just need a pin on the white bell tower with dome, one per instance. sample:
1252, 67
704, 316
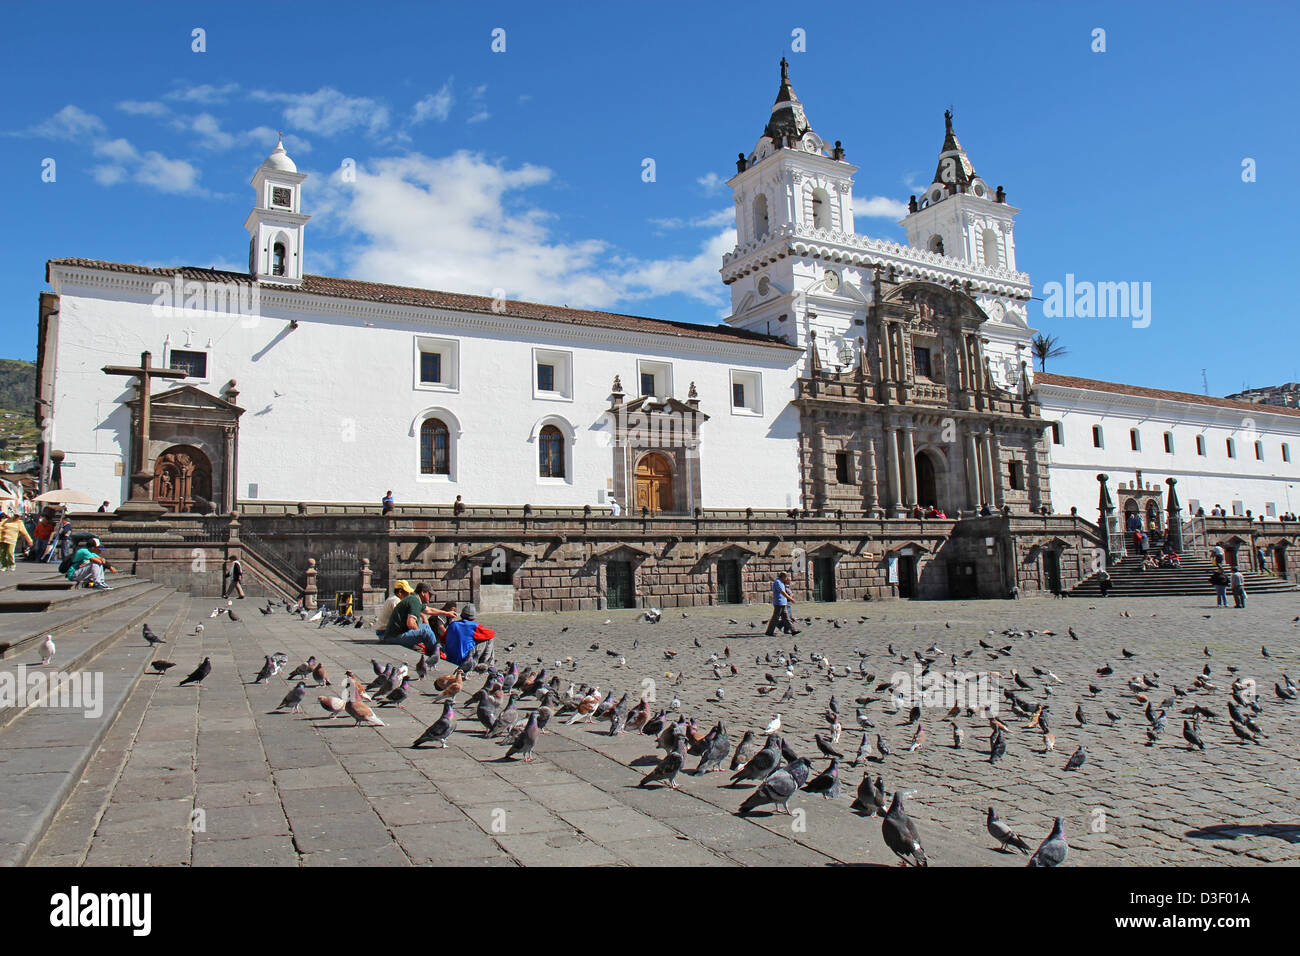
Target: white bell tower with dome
275, 226
793, 185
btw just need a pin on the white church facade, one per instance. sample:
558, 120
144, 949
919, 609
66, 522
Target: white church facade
853, 374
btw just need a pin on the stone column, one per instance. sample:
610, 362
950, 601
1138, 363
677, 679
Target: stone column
973, 483
909, 463
995, 469
819, 466
895, 485
1173, 519
873, 496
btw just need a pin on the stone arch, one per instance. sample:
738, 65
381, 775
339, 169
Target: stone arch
182, 479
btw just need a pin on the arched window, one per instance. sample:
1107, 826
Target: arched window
992, 258
821, 204
550, 449
936, 244
760, 216
277, 259
435, 448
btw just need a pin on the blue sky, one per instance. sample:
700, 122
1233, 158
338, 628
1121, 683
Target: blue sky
523, 170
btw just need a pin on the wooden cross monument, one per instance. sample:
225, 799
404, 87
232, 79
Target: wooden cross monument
140, 500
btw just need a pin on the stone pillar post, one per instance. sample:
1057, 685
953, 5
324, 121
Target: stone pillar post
973, 483
909, 463
873, 496
895, 485
1173, 519
995, 469
309, 592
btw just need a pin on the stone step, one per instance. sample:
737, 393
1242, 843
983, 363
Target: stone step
63, 610
44, 750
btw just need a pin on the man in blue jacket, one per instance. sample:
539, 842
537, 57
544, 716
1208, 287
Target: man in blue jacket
463, 637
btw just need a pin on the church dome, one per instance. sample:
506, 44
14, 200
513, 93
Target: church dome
279, 160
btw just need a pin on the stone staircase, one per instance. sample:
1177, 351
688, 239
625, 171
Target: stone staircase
100, 656
1193, 578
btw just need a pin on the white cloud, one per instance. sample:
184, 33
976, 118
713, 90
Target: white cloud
714, 220
204, 93
464, 224
434, 106
712, 182
71, 122
150, 168
879, 207
328, 112
144, 108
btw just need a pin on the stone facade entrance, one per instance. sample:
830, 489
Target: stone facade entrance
182, 477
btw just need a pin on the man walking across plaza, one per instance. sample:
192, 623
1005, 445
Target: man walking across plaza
781, 606
1238, 581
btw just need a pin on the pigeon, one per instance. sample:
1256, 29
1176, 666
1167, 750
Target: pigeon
871, 797
778, 788
151, 637
232, 615
47, 649
1076, 759
267, 672
161, 667
715, 750
1192, 737
668, 768
744, 751
901, 836
294, 698
440, 729
505, 719
762, 763
526, 741
318, 673
827, 783
864, 749
774, 725
956, 737
882, 746
302, 670
1004, 834
997, 747
826, 748
200, 672
1053, 850
332, 705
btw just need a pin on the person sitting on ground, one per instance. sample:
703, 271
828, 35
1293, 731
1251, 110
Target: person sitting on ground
441, 621
466, 640
88, 566
400, 590
408, 624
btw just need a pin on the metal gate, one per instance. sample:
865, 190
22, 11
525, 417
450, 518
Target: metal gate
729, 581
823, 579
337, 573
620, 590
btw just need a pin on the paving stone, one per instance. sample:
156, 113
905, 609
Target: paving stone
340, 831
312, 778
236, 823
555, 849
402, 810
452, 843
251, 851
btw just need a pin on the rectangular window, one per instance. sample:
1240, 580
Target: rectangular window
842, 468
193, 364
1232, 448
921, 360
1238, 508
1286, 452
1016, 475
1135, 439
437, 364
545, 378
1058, 434
1200, 445
746, 392
647, 383
1270, 509
552, 375
1259, 451
1098, 440
656, 378
1169, 443
430, 368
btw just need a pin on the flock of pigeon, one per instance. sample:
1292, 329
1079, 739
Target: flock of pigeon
777, 772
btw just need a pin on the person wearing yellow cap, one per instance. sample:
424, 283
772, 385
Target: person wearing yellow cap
401, 589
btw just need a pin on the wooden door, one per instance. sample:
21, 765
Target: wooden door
654, 484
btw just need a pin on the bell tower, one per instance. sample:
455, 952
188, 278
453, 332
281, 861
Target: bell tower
275, 226
793, 187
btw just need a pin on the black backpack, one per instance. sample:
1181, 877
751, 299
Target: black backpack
65, 565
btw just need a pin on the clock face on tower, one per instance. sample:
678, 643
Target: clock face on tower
281, 196
995, 312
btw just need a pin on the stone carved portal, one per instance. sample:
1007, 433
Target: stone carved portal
181, 474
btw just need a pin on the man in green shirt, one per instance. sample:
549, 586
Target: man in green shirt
88, 566
409, 625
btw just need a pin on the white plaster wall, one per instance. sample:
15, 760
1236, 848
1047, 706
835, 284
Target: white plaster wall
344, 427
1212, 479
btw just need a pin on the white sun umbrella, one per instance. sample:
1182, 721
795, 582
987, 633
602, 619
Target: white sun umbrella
65, 496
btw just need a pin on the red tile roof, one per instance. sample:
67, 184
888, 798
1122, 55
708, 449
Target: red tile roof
1091, 384
431, 298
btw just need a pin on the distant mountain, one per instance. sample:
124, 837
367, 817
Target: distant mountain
17, 386
1288, 395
